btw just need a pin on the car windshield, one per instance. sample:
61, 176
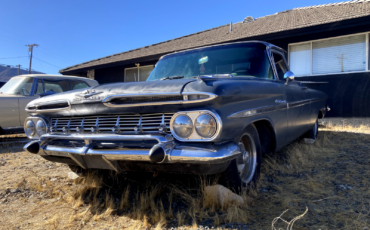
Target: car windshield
18, 86
244, 59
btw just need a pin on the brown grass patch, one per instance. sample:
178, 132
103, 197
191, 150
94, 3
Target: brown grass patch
328, 177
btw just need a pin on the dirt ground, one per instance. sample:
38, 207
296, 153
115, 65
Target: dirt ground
323, 186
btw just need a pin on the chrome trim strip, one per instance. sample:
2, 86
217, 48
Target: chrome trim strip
257, 111
303, 102
271, 108
313, 82
193, 115
106, 101
49, 103
104, 137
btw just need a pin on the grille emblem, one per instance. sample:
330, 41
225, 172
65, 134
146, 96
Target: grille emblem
87, 96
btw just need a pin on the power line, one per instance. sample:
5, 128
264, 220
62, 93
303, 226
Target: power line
14, 57
55, 55
48, 63
40, 64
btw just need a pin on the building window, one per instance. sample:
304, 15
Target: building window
330, 56
138, 73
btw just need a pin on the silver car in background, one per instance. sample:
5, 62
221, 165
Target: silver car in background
20, 90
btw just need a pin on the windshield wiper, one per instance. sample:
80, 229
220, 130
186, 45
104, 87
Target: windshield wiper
171, 78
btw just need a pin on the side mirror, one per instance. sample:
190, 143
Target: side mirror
289, 76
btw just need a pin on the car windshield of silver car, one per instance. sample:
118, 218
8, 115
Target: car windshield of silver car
18, 86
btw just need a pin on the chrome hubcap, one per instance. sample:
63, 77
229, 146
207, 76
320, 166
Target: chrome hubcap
247, 162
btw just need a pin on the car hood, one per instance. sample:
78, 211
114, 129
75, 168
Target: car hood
98, 93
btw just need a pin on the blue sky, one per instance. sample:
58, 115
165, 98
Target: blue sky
70, 32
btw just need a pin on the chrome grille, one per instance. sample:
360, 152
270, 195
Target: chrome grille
159, 122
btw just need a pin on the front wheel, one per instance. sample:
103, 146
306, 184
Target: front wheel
245, 170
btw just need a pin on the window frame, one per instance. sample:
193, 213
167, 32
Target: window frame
274, 63
138, 72
367, 55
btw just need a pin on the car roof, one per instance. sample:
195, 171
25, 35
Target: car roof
269, 45
54, 76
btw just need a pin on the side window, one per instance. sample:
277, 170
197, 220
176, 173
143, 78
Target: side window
78, 85
40, 87
281, 67
56, 86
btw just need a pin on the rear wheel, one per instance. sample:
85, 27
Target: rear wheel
245, 170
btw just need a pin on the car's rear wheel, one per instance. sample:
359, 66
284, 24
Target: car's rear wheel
311, 136
245, 170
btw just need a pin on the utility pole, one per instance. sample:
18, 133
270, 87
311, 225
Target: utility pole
19, 69
30, 49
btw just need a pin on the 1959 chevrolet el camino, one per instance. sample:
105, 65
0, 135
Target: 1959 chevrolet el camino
210, 110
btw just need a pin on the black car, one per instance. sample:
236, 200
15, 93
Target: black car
210, 110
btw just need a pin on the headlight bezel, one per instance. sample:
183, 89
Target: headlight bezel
194, 136
195, 125
174, 129
35, 120
26, 126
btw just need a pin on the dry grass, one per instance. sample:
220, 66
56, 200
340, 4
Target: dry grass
315, 176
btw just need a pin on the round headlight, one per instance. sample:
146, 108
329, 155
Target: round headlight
41, 127
30, 128
205, 125
182, 126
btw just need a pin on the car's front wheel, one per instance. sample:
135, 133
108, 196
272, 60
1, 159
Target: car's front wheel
245, 170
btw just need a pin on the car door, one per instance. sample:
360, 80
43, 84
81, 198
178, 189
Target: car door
297, 99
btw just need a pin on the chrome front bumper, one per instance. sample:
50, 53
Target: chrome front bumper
174, 152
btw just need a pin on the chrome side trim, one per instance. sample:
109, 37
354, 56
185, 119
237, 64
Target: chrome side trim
257, 111
271, 108
303, 102
193, 115
313, 82
107, 101
48, 103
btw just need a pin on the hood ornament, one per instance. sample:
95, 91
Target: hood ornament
87, 95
